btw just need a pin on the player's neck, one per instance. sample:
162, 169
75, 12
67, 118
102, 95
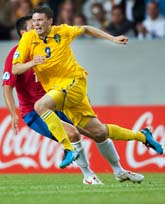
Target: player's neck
44, 35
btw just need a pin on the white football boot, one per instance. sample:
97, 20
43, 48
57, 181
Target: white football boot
92, 180
130, 176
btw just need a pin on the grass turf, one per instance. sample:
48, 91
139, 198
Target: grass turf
68, 188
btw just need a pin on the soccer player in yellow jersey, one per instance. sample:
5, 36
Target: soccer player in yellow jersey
64, 80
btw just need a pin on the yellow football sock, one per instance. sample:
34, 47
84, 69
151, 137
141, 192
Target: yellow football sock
119, 133
56, 128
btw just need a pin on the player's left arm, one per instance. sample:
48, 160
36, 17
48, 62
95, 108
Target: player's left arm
20, 59
92, 31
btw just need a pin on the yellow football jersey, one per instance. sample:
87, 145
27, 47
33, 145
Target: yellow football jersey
60, 64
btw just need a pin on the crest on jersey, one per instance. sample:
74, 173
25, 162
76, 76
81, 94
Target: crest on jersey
6, 76
57, 38
16, 55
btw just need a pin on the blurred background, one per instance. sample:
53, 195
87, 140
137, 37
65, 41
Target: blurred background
118, 75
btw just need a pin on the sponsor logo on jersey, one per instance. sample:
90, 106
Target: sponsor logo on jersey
16, 55
57, 38
6, 76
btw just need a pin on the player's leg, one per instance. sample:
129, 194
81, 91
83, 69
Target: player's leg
82, 161
45, 108
115, 132
33, 120
109, 152
77, 107
99, 132
78, 114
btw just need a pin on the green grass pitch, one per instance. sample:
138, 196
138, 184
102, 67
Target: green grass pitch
68, 189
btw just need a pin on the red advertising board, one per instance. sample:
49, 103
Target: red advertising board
28, 152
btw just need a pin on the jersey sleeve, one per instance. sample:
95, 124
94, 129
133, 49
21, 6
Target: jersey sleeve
9, 78
73, 31
23, 50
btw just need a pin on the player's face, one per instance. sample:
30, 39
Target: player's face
41, 24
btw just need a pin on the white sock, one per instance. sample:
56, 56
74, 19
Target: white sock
82, 160
108, 150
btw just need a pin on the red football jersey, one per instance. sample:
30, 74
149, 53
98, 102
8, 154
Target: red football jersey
28, 89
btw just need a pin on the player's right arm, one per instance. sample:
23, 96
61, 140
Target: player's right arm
9, 82
10, 102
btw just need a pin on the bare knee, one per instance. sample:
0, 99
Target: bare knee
99, 134
43, 104
39, 107
72, 132
96, 130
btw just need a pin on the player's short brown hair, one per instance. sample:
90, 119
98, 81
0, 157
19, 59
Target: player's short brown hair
43, 9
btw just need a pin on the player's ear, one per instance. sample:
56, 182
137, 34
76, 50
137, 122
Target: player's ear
22, 32
50, 21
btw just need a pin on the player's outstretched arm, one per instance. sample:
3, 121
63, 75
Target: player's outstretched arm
20, 68
90, 30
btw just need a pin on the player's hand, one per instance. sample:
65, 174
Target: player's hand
14, 124
38, 59
121, 39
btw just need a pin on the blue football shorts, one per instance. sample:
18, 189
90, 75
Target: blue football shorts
33, 120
